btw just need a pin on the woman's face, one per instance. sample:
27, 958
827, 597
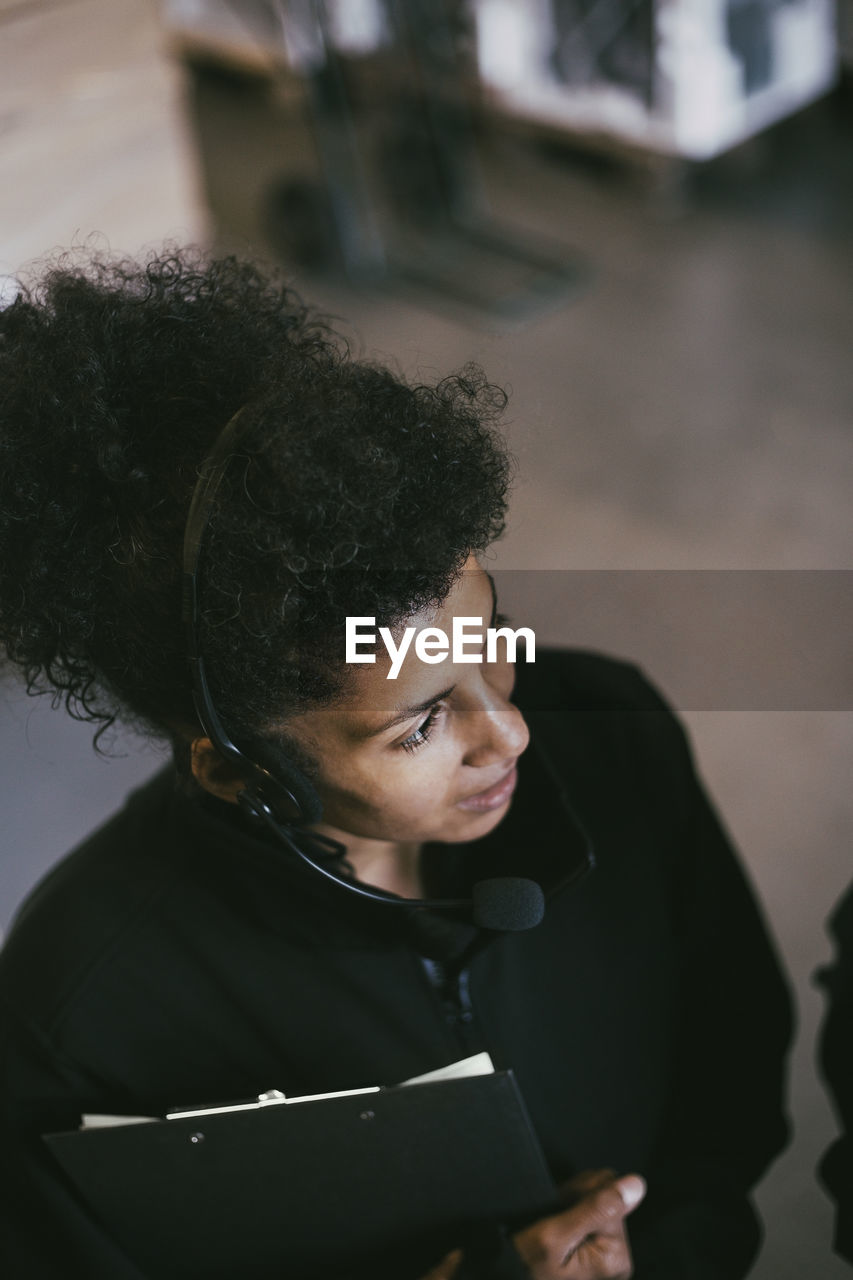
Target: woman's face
430, 755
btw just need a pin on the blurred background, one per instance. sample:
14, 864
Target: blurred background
639, 218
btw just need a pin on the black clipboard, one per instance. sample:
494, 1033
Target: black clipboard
381, 1183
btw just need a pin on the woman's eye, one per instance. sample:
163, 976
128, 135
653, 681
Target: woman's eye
422, 734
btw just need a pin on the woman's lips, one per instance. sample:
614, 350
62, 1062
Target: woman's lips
496, 795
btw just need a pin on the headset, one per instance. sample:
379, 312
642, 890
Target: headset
276, 793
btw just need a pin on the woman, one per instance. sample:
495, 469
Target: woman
187, 952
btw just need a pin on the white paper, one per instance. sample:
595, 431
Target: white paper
478, 1065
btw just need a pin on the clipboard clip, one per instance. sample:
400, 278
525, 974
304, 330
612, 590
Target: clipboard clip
270, 1098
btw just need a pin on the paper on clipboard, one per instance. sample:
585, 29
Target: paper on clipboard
479, 1064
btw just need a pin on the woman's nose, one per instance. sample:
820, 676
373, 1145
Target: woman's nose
498, 735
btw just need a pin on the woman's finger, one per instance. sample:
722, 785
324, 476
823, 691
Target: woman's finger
600, 1212
584, 1182
600, 1257
446, 1268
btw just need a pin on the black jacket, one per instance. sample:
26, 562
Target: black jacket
836, 1057
177, 957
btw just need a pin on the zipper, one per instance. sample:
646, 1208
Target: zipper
453, 989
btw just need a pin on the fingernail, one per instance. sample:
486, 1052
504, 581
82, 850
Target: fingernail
631, 1189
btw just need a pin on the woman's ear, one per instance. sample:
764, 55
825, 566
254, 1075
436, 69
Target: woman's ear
213, 773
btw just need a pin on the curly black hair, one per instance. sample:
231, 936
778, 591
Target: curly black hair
349, 492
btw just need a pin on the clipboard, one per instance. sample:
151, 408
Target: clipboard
381, 1183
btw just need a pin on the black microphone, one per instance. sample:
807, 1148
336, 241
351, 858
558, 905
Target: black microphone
506, 904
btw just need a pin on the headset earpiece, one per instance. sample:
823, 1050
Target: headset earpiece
285, 788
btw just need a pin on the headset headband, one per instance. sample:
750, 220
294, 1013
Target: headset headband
286, 792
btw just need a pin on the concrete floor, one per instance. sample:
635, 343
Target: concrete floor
688, 410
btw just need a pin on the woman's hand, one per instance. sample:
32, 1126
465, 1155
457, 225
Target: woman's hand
587, 1241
